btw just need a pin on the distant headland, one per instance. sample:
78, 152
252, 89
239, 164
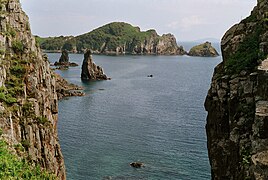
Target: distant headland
115, 38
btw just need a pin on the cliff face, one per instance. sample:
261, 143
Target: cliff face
28, 98
237, 102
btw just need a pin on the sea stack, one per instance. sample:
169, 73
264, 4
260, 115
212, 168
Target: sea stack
203, 50
64, 60
90, 71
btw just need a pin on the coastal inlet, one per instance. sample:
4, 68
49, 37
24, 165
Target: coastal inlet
158, 121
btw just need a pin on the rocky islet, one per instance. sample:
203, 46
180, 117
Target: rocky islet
203, 50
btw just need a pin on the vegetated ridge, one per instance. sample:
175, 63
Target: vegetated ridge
116, 38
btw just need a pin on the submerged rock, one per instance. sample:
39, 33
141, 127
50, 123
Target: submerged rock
203, 50
137, 164
90, 71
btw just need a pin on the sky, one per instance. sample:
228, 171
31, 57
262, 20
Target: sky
188, 20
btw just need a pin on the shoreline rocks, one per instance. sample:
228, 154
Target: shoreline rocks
66, 89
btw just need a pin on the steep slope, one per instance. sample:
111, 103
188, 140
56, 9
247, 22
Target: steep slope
237, 102
117, 38
28, 98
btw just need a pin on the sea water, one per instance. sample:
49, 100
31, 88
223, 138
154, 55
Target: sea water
157, 120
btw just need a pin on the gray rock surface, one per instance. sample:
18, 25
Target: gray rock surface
237, 102
31, 118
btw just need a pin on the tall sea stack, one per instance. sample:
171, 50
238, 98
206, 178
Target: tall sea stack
90, 71
28, 98
237, 102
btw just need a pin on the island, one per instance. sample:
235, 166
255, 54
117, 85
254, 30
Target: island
203, 50
117, 38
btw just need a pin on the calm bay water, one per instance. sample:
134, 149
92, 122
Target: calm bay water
159, 121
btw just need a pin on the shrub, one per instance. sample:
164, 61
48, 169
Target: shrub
2, 97
25, 144
18, 70
247, 55
11, 167
17, 46
10, 99
42, 120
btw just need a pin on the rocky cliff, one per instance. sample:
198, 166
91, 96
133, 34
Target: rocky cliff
117, 38
237, 102
28, 98
203, 50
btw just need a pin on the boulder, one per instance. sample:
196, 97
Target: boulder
90, 71
137, 164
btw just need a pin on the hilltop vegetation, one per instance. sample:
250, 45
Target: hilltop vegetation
115, 38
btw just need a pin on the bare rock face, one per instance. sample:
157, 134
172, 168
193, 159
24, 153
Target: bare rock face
167, 45
29, 102
237, 102
203, 50
90, 71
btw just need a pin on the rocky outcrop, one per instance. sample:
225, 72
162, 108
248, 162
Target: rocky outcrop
90, 71
203, 50
28, 97
118, 38
237, 102
64, 60
137, 164
164, 45
167, 45
64, 57
66, 89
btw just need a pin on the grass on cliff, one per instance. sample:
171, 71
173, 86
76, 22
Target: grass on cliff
11, 167
248, 54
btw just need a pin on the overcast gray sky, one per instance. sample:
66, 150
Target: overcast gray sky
186, 19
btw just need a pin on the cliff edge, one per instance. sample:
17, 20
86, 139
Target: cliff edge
237, 102
28, 97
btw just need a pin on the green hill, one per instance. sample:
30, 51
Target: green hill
115, 38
